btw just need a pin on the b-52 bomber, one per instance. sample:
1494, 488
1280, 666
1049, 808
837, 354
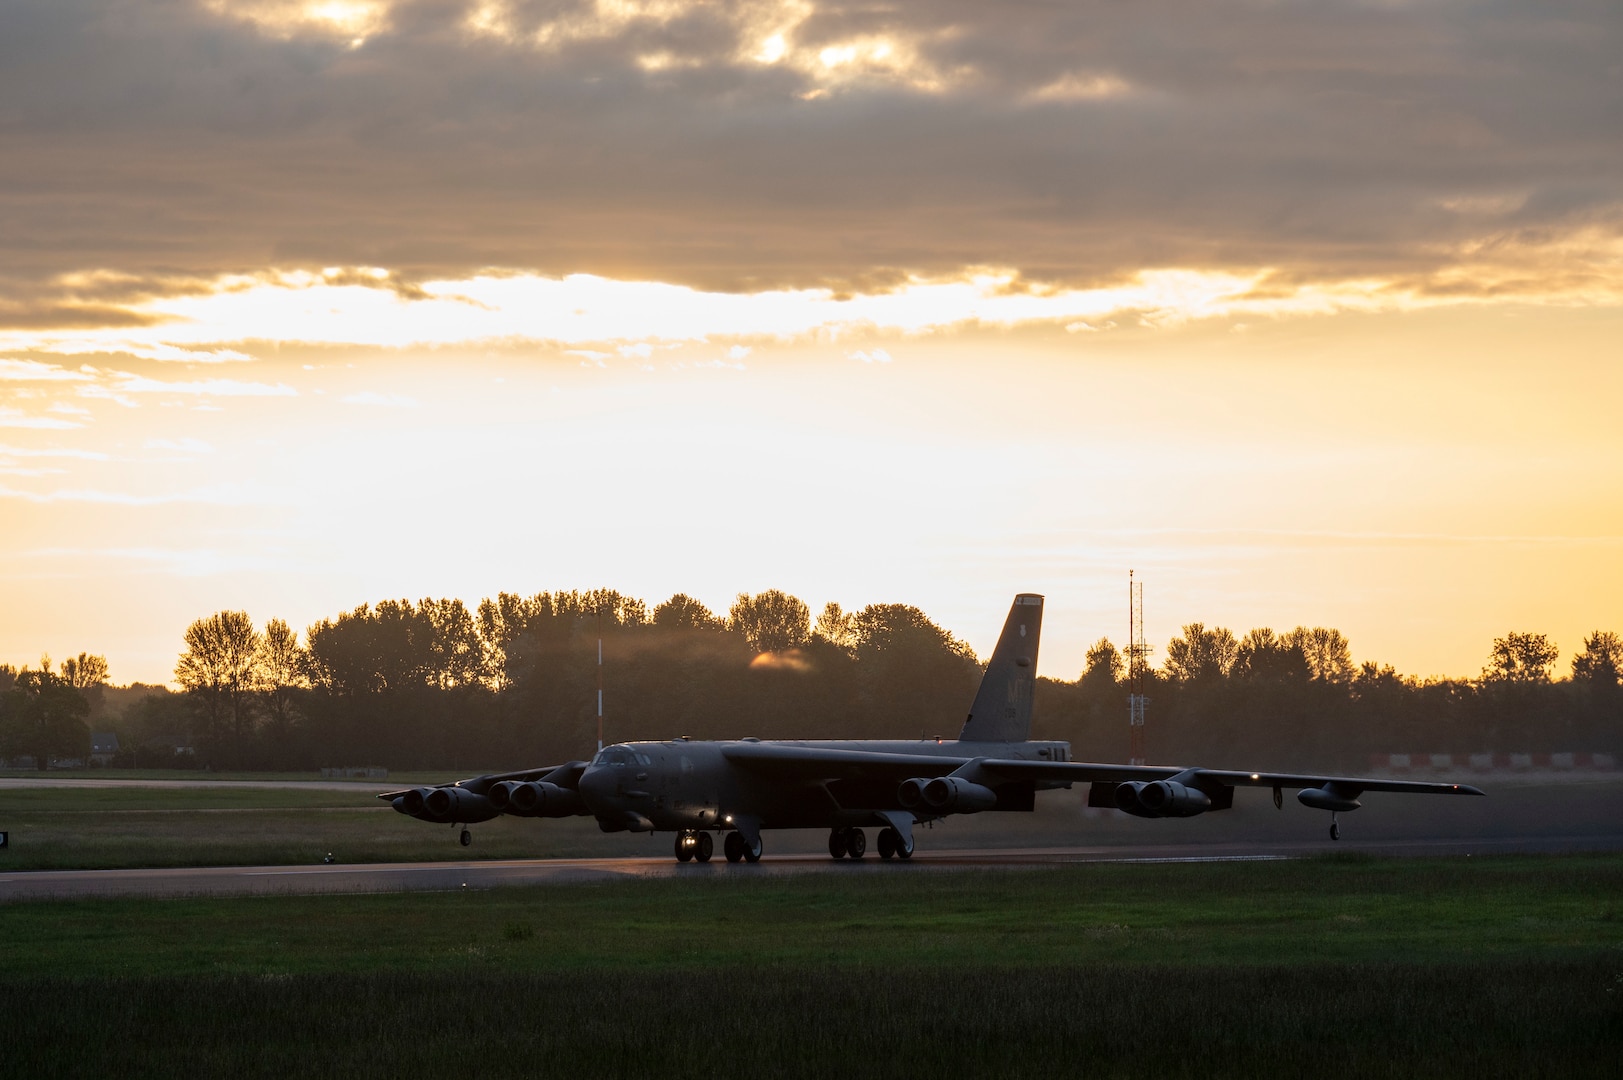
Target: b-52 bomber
741, 789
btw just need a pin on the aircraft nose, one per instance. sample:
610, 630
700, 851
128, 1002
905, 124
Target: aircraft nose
596, 787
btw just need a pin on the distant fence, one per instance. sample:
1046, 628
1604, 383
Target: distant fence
1563, 762
367, 772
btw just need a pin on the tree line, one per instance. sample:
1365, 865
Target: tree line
514, 682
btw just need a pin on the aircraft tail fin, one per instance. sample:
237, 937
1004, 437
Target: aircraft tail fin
1002, 708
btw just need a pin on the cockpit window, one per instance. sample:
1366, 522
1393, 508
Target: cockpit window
621, 755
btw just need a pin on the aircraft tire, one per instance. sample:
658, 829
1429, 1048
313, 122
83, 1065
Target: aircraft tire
683, 852
1335, 831
856, 843
837, 843
887, 843
706, 847
733, 846
753, 853
466, 838
904, 846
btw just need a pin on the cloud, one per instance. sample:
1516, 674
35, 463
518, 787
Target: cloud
387, 401
51, 452
11, 417
181, 562
219, 495
767, 146
35, 371
124, 383
182, 446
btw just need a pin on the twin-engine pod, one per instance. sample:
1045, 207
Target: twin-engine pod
536, 798
954, 795
1161, 798
445, 805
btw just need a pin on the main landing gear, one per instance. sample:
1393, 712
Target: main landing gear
894, 844
735, 847
692, 844
844, 843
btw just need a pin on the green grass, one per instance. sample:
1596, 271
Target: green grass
1479, 967
1474, 1021
110, 828
1336, 909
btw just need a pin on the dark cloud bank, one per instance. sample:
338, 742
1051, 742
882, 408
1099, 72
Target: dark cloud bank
157, 138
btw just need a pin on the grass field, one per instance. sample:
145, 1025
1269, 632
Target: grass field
1348, 965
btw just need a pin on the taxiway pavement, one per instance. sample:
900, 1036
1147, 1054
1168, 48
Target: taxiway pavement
490, 874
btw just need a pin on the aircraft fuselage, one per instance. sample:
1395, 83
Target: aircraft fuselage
681, 784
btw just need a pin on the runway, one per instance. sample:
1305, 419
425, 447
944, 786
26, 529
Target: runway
452, 876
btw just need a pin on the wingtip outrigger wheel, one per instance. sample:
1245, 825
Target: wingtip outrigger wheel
466, 838
1335, 828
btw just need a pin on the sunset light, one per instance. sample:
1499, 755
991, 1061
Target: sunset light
1315, 324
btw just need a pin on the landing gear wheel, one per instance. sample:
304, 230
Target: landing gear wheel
904, 846
752, 852
887, 843
707, 847
856, 843
837, 843
466, 838
1335, 828
733, 846
684, 847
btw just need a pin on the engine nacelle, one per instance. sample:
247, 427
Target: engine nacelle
1167, 798
911, 792
1328, 797
953, 795
411, 803
541, 799
454, 805
1127, 800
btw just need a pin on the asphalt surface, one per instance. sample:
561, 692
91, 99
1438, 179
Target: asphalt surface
370, 787
450, 876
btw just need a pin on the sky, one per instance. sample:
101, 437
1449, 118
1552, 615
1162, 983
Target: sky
1304, 313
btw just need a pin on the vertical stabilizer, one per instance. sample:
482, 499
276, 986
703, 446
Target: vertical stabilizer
1002, 709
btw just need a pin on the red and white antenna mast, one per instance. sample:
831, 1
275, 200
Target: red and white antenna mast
1138, 666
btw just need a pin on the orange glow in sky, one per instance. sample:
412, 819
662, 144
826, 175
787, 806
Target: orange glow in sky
1308, 315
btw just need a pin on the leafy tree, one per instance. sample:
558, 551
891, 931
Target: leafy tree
1262, 655
1601, 662
457, 654
1201, 655
219, 670
44, 717
1521, 658
682, 612
1327, 652
1103, 666
836, 627
772, 621
281, 666
83, 672
911, 672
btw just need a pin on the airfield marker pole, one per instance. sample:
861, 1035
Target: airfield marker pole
600, 677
